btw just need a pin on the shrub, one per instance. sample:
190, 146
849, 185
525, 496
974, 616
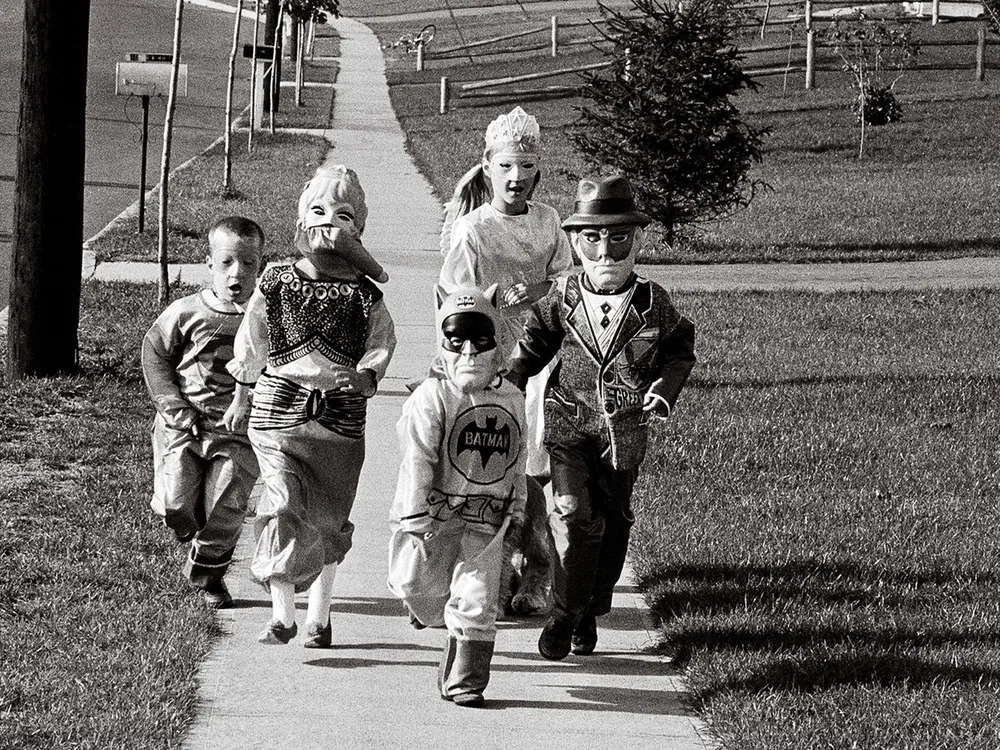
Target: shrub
876, 52
664, 115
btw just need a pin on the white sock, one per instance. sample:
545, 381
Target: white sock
283, 602
320, 596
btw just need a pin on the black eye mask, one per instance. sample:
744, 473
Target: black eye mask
473, 327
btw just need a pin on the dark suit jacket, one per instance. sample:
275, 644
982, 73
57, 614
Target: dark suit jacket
599, 396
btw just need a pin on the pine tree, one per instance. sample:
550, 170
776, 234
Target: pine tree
664, 115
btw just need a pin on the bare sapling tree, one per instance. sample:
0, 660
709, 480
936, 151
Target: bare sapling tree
168, 127
300, 11
228, 169
254, 122
876, 51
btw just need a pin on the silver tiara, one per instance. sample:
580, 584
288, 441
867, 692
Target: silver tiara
517, 126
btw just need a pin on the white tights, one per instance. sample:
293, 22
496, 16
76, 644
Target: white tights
320, 596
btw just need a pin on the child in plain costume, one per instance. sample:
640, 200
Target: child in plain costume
316, 341
625, 354
204, 468
496, 235
460, 480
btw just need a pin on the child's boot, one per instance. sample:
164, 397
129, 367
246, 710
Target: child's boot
319, 633
464, 671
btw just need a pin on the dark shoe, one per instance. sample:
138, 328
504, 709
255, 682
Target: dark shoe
277, 634
585, 636
217, 596
554, 642
468, 700
415, 623
318, 636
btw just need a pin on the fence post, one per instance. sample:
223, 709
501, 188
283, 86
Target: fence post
810, 47
443, 107
981, 54
810, 59
555, 36
420, 55
935, 12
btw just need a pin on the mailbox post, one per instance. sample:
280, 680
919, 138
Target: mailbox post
262, 56
145, 75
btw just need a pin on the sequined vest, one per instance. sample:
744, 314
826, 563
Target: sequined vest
304, 316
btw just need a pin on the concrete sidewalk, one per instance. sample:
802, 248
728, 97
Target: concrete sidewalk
376, 688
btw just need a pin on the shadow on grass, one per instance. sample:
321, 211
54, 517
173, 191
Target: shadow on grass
871, 670
888, 380
872, 252
766, 614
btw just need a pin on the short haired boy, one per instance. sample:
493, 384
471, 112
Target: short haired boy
461, 479
625, 354
204, 472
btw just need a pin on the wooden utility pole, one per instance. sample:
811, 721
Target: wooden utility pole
168, 131
47, 252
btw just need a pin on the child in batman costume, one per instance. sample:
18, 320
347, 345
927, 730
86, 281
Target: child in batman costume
461, 480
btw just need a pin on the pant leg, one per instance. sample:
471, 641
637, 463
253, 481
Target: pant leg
471, 611
289, 546
231, 473
616, 507
177, 479
577, 525
420, 572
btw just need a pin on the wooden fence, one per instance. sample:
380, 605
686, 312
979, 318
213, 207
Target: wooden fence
801, 47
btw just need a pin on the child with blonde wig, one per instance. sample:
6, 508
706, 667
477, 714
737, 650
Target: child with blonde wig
316, 340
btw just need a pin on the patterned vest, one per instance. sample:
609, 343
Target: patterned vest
304, 316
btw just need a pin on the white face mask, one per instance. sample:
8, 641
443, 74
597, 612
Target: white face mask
604, 272
512, 176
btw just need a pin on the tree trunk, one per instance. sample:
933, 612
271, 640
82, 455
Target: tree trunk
228, 169
272, 36
168, 132
47, 252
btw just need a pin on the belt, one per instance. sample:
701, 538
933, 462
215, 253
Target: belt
280, 403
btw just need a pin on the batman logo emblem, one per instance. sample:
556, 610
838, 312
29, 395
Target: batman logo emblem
484, 443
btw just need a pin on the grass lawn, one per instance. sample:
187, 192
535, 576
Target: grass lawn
265, 186
926, 187
824, 561
100, 636
265, 183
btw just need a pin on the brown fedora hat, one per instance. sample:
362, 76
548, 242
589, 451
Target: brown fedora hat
605, 202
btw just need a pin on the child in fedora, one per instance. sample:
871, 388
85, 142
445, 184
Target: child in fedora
461, 479
625, 354
316, 340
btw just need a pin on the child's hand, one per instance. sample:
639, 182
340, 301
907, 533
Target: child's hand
655, 405
237, 416
515, 294
361, 382
185, 420
420, 541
